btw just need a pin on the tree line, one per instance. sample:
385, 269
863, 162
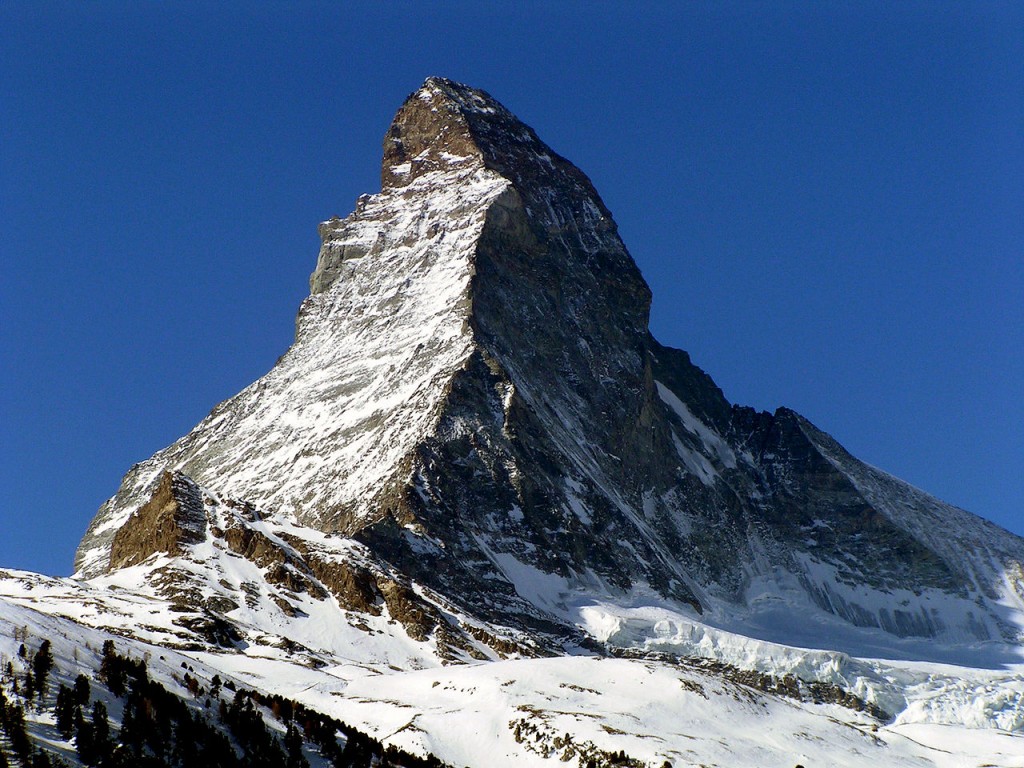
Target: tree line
224, 726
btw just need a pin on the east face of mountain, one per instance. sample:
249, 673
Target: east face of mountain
474, 397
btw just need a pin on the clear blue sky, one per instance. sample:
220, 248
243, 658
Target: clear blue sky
828, 203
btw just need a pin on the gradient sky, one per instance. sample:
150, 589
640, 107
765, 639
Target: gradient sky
826, 199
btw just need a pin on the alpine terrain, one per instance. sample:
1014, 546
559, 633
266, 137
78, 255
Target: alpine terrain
477, 514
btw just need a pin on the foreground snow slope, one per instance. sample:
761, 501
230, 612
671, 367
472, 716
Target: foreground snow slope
518, 712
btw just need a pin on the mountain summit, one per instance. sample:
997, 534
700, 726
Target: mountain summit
474, 398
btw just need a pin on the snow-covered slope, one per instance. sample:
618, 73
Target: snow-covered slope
540, 711
476, 454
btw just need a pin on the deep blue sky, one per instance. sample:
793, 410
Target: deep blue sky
827, 203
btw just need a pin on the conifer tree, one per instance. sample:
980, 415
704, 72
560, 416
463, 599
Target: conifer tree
112, 669
293, 748
17, 733
64, 712
42, 663
82, 690
131, 731
84, 742
30, 686
101, 730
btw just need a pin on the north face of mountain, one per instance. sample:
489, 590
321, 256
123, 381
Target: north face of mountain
474, 402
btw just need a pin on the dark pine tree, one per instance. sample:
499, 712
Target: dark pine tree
112, 669
131, 734
101, 731
293, 748
42, 663
64, 711
82, 691
85, 743
18, 734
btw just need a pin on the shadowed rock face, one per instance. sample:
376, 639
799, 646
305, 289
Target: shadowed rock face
474, 394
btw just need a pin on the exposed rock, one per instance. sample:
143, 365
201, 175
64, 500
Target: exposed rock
405, 606
214, 629
353, 587
171, 519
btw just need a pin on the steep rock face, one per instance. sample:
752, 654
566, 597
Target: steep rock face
474, 396
172, 519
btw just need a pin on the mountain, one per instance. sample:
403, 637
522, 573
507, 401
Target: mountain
473, 391
475, 454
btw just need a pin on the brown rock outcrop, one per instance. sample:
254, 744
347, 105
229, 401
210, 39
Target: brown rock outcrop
170, 520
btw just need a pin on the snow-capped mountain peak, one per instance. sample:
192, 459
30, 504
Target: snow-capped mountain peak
475, 450
474, 395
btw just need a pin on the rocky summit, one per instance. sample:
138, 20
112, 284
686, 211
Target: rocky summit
475, 451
